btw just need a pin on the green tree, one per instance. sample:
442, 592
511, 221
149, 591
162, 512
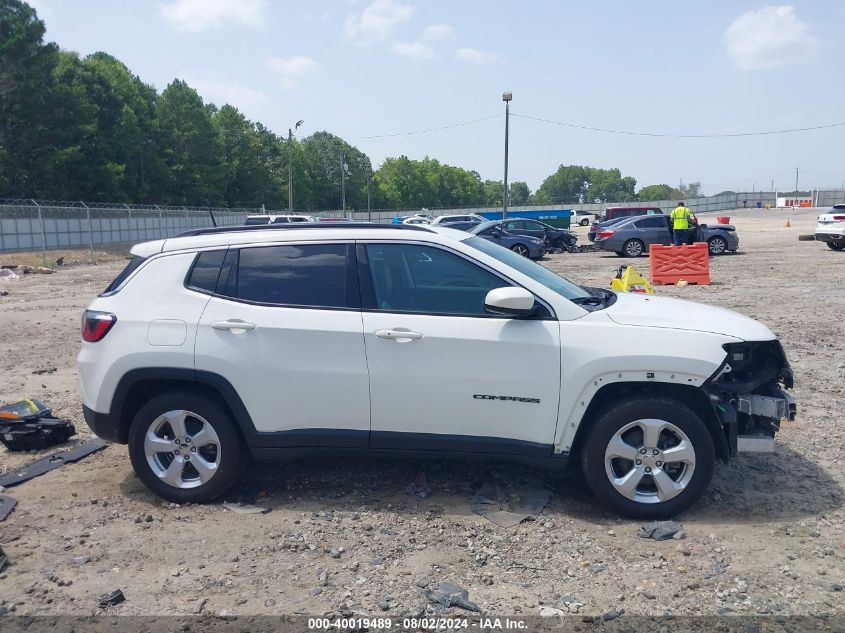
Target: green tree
568, 185
518, 193
691, 190
608, 185
26, 99
189, 147
650, 193
323, 155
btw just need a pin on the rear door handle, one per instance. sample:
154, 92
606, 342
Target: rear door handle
400, 336
232, 325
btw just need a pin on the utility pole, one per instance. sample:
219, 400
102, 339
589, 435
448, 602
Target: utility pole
369, 210
506, 97
796, 188
290, 165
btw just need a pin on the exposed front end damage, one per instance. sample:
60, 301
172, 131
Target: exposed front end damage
748, 392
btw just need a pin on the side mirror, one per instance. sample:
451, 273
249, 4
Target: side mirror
509, 301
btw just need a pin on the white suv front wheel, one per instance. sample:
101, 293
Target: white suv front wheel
648, 458
185, 447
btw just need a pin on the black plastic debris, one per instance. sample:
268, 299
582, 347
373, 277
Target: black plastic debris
660, 530
7, 504
30, 425
507, 508
450, 595
111, 599
51, 462
3, 559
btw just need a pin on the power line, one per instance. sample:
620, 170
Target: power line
661, 135
433, 129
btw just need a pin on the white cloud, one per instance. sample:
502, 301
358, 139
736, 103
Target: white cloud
474, 56
438, 32
414, 50
291, 69
221, 90
377, 21
194, 16
768, 38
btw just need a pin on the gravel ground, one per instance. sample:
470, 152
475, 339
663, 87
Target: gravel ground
343, 536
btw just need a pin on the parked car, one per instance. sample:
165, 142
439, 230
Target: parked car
617, 212
583, 218
632, 236
416, 219
461, 226
470, 217
525, 245
830, 228
252, 220
597, 226
430, 342
553, 236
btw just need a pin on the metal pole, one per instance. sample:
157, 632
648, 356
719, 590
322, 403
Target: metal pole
90, 230
43, 239
290, 170
369, 210
129, 216
796, 187
160, 223
342, 186
505, 188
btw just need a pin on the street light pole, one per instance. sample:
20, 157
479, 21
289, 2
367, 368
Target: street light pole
506, 97
343, 184
796, 188
290, 165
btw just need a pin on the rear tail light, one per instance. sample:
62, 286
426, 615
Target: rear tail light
605, 234
95, 325
839, 217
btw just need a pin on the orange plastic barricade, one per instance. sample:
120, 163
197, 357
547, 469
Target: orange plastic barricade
671, 264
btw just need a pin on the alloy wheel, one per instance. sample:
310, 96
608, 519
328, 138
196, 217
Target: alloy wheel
649, 461
182, 449
718, 246
519, 249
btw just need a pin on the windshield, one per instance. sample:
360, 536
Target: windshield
538, 273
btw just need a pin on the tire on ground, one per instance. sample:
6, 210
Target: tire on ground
625, 412
233, 456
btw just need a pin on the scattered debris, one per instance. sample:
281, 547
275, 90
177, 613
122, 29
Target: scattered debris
8, 273
419, 487
508, 508
30, 425
450, 595
41, 372
4, 293
7, 504
245, 508
111, 599
661, 530
60, 261
51, 462
716, 569
3, 559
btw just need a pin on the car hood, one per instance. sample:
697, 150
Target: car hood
650, 311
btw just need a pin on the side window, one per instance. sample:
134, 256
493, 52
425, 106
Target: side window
205, 271
651, 223
512, 225
307, 275
417, 278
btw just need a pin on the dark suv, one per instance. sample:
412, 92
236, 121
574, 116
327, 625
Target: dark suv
554, 237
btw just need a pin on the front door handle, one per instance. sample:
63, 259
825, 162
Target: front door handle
400, 336
232, 325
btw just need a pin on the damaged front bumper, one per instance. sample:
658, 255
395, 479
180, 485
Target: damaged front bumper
749, 395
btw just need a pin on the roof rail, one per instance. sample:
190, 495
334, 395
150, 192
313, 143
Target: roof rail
302, 226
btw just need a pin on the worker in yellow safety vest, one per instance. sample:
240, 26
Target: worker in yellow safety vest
680, 223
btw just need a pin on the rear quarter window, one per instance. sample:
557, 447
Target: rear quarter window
205, 271
131, 267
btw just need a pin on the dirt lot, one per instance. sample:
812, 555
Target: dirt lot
343, 535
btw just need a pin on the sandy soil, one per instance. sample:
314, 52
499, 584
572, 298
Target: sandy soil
767, 538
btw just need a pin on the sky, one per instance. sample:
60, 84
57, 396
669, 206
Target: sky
381, 68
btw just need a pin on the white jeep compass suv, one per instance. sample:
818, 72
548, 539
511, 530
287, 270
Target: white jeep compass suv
280, 341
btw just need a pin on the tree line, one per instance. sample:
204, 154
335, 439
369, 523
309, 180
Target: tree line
86, 128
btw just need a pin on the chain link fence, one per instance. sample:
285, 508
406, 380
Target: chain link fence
32, 225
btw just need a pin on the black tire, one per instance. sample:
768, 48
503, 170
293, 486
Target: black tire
584, 222
521, 249
232, 457
836, 246
717, 245
561, 244
622, 414
633, 248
